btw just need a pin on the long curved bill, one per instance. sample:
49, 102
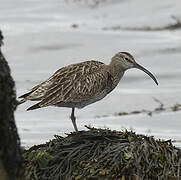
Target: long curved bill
146, 71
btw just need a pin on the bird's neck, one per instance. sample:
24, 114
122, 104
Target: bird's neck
116, 71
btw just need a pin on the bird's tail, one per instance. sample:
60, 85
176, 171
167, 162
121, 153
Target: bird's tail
36, 106
25, 95
21, 101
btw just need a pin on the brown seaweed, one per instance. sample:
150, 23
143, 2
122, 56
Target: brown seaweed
159, 109
103, 154
173, 26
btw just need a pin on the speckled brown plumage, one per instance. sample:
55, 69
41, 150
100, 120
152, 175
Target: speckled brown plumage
81, 84
74, 86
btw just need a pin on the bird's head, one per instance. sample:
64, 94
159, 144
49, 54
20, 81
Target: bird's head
127, 61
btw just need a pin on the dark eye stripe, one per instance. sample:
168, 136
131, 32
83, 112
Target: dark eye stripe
127, 59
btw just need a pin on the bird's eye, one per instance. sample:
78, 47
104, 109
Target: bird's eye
127, 59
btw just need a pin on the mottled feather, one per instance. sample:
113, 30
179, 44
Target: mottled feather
75, 85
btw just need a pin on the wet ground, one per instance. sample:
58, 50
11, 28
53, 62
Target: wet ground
42, 36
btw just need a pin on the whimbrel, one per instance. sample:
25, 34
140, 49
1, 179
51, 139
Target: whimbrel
81, 84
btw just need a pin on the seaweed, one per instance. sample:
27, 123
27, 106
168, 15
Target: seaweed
174, 26
90, 3
103, 154
159, 109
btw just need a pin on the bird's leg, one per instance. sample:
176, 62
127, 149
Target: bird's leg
73, 118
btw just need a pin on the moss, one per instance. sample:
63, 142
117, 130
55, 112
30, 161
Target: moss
39, 156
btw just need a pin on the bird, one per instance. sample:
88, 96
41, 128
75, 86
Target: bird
78, 85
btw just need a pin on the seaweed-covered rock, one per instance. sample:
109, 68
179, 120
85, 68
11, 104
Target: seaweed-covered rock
103, 154
10, 155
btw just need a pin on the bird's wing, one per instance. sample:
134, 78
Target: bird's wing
76, 83
61, 77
